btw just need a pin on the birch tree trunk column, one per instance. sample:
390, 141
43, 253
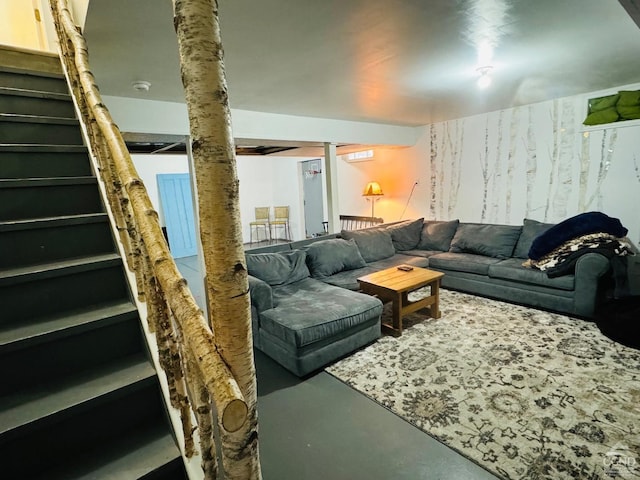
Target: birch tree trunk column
203, 77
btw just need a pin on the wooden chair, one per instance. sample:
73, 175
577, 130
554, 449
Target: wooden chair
281, 219
356, 222
261, 221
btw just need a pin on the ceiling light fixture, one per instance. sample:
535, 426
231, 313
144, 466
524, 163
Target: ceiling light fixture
485, 78
141, 86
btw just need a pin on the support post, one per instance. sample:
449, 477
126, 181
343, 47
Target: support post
331, 179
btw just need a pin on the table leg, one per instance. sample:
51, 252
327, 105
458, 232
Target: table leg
397, 313
435, 293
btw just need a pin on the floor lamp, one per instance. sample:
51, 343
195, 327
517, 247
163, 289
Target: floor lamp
372, 191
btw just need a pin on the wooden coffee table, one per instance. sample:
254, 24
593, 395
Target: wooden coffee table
394, 285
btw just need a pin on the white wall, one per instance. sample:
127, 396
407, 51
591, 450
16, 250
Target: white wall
535, 161
264, 181
146, 116
269, 182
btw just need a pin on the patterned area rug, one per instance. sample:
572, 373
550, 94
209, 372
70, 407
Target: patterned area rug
524, 393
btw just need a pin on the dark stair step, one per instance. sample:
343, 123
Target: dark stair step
150, 455
43, 161
45, 130
87, 436
29, 293
79, 398
34, 102
28, 410
173, 470
23, 199
57, 238
55, 327
44, 359
33, 81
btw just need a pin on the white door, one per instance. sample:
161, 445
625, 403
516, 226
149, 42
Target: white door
312, 192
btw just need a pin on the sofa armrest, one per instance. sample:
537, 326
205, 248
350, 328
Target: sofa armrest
590, 268
260, 293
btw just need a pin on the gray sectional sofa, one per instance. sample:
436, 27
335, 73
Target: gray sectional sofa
309, 313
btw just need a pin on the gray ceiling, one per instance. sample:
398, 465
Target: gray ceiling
404, 62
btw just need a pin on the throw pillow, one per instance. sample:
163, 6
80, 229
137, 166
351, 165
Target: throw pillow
326, 257
607, 115
530, 230
629, 112
628, 98
437, 235
374, 244
602, 103
406, 235
280, 268
486, 239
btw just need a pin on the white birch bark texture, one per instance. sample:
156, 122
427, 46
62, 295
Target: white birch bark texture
585, 162
143, 224
553, 158
496, 190
456, 168
532, 162
203, 77
433, 179
566, 158
511, 160
484, 164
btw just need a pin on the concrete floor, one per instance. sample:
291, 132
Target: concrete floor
318, 428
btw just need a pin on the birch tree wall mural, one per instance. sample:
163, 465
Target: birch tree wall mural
566, 160
434, 172
536, 161
511, 160
454, 162
498, 197
484, 165
531, 162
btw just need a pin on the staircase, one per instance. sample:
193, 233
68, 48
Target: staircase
79, 396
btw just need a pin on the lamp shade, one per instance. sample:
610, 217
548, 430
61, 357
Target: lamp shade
372, 188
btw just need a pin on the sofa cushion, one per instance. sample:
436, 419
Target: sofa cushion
485, 239
462, 262
436, 235
373, 243
312, 311
349, 278
279, 268
406, 235
512, 269
326, 257
261, 293
530, 230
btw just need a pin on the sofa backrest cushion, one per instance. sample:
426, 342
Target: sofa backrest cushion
530, 230
374, 243
279, 268
326, 257
437, 235
405, 235
486, 239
